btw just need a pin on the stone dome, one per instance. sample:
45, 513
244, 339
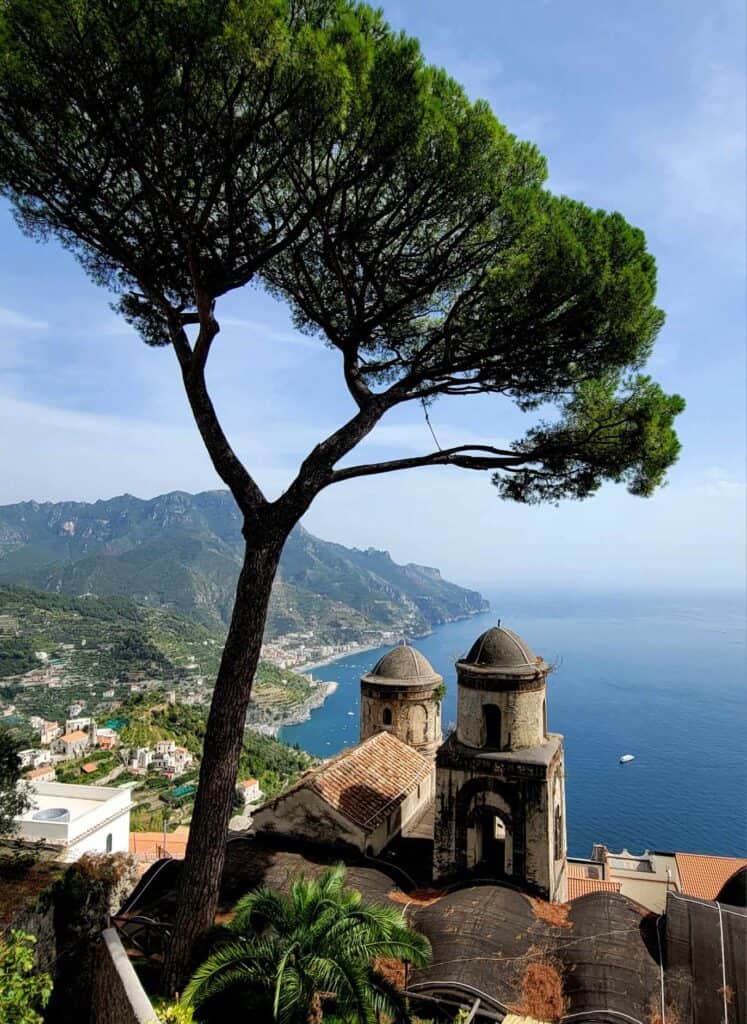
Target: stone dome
403, 665
500, 649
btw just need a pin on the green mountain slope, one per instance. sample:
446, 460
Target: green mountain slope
183, 551
88, 646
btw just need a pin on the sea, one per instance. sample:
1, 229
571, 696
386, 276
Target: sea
658, 676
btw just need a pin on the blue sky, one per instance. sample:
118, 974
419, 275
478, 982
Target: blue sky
638, 106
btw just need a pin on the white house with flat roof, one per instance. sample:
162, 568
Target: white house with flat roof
73, 820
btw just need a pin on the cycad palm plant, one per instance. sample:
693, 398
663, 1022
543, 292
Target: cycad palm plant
289, 958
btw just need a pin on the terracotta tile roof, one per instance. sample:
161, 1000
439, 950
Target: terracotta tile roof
90, 767
36, 773
367, 782
582, 870
704, 876
248, 783
582, 886
74, 737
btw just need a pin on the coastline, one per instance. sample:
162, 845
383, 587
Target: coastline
300, 714
311, 666
362, 648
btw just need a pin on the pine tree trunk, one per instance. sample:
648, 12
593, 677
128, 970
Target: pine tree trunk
205, 855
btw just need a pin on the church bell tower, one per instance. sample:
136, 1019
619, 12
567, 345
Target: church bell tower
402, 695
500, 790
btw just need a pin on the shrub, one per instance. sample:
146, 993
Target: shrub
23, 991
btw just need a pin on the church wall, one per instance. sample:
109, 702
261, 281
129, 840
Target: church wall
538, 837
392, 825
559, 865
302, 814
522, 718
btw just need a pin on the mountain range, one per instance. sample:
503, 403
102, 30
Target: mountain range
183, 551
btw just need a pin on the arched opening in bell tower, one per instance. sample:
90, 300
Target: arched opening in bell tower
492, 724
386, 717
491, 842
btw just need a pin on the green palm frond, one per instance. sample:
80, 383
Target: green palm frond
260, 909
313, 947
245, 960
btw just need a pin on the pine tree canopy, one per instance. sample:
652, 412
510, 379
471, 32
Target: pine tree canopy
184, 149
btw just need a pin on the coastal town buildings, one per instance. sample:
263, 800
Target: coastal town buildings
165, 757
250, 792
72, 744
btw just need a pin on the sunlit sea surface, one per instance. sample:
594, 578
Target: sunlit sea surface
663, 678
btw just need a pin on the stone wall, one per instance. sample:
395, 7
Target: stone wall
411, 713
118, 997
521, 789
67, 920
522, 715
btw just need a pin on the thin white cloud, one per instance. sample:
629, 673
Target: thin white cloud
720, 483
702, 157
261, 331
11, 319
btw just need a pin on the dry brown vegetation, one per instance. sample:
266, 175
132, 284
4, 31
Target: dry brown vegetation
418, 897
555, 914
655, 1016
18, 893
727, 993
393, 970
542, 994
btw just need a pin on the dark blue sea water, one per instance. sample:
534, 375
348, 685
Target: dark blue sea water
663, 678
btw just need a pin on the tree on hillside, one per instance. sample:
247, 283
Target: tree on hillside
296, 958
183, 150
13, 796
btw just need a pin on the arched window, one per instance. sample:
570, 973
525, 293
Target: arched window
109, 843
387, 716
558, 834
492, 722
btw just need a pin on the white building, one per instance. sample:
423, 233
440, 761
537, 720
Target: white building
33, 757
141, 758
107, 739
49, 731
77, 724
73, 820
250, 791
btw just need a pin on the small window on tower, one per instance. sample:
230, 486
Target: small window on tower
387, 717
492, 721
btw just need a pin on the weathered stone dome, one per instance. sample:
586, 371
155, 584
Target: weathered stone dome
502, 650
403, 665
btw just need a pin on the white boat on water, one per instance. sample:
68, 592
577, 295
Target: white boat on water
626, 758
